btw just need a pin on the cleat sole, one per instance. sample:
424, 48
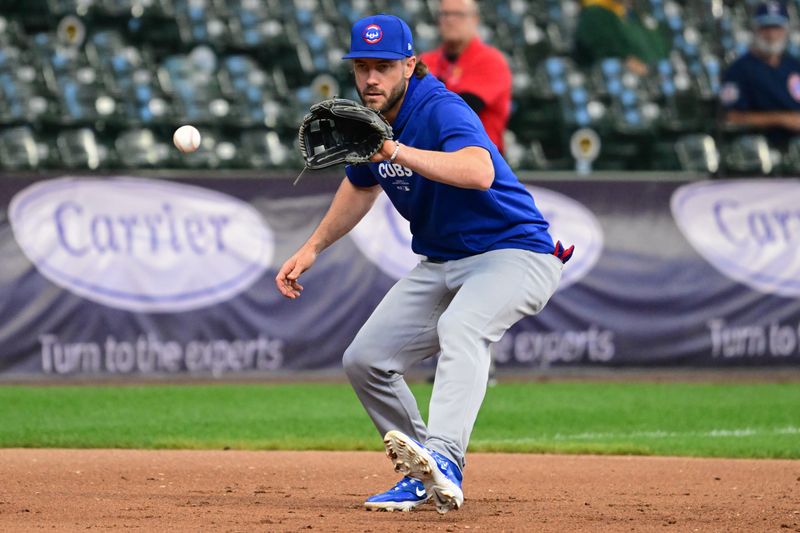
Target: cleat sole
412, 460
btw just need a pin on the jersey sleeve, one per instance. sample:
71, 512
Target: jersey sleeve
360, 175
733, 93
459, 126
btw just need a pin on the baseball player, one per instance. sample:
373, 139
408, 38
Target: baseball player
489, 261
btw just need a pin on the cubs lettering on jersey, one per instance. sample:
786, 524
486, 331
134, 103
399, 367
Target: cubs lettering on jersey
393, 170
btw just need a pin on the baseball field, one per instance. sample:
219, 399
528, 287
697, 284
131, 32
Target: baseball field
545, 456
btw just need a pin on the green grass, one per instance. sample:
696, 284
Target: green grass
722, 420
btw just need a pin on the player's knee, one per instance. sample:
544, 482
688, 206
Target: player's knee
355, 363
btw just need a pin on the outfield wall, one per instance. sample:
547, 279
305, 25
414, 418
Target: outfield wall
114, 275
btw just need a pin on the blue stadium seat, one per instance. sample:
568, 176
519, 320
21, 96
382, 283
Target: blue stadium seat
256, 24
242, 80
143, 68
134, 8
199, 22
23, 97
194, 89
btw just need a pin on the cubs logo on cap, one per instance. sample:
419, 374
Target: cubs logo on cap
373, 34
381, 37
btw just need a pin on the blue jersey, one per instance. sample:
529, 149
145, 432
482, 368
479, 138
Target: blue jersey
750, 84
449, 222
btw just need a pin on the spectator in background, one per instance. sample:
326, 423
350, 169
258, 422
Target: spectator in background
761, 89
470, 68
612, 28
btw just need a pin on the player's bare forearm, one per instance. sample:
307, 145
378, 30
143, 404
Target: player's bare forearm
468, 168
765, 119
348, 207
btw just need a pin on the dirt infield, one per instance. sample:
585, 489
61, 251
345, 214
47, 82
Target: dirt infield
79, 490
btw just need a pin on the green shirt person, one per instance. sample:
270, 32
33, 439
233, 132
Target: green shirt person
610, 28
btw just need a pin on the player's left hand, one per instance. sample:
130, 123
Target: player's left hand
339, 131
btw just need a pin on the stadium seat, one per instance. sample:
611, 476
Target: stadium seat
791, 163
134, 8
697, 153
115, 60
250, 69
11, 33
70, 7
139, 148
748, 155
200, 23
263, 149
255, 24
19, 150
79, 149
192, 83
242, 81
23, 97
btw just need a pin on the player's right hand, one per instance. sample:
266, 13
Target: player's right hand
287, 277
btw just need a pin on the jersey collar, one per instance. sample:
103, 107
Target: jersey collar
409, 102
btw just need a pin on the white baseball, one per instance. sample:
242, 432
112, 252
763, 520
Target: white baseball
186, 139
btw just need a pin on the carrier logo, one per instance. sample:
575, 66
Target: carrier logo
571, 223
141, 245
748, 230
373, 34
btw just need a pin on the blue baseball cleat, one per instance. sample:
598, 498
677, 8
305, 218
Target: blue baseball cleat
441, 477
408, 494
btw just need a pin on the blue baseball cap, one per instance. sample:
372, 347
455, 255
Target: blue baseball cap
772, 13
381, 37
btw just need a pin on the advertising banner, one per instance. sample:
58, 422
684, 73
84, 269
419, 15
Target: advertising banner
134, 276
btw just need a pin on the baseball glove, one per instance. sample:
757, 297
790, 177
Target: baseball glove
339, 131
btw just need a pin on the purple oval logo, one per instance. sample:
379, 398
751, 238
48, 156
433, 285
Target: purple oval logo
749, 230
139, 244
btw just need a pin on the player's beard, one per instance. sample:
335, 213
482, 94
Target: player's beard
770, 48
395, 96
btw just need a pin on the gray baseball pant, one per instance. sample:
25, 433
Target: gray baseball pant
457, 307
